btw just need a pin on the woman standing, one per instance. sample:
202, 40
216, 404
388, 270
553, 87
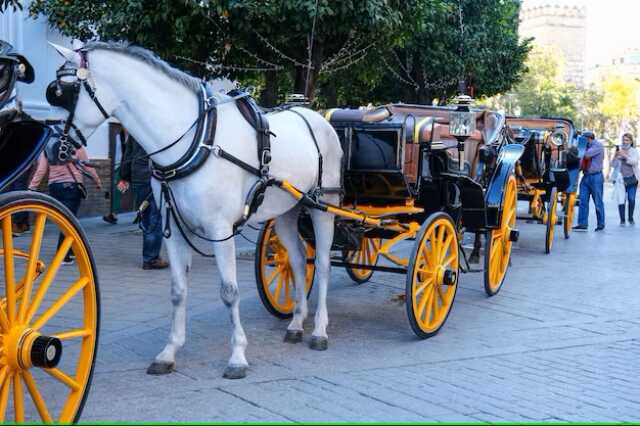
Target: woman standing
66, 183
625, 176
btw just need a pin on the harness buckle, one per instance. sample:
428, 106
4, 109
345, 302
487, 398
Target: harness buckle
266, 157
216, 150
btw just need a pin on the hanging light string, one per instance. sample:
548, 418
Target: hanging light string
258, 59
214, 67
345, 66
398, 76
407, 73
344, 50
363, 52
278, 52
310, 42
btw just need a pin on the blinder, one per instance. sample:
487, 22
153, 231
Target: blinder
61, 92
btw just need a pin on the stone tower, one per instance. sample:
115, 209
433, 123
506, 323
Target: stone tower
559, 24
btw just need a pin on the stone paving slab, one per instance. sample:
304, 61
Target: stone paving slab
559, 343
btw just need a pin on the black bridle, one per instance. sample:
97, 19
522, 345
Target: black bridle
65, 94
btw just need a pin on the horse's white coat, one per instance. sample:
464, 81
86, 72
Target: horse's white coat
156, 109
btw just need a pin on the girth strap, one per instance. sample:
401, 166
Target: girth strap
315, 142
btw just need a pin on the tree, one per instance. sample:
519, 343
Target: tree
542, 90
620, 103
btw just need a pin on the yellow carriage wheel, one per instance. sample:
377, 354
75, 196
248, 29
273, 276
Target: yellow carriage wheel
499, 244
552, 214
367, 254
274, 275
49, 314
569, 213
432, 277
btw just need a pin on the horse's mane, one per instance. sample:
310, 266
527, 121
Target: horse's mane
148, 57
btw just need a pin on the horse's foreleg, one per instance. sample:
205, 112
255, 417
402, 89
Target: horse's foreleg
226, 260
323, 230
287, 230
180, 262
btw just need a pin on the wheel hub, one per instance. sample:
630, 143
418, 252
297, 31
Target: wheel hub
26, 348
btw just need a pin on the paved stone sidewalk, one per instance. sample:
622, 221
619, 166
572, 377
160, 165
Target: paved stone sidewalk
561, 342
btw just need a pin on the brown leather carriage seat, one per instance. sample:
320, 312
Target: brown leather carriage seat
423, 124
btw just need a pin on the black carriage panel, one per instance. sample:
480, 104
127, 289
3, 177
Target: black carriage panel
507, 159
20, 144
374, 163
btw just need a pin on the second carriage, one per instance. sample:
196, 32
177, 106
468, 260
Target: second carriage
547, 173
411, 173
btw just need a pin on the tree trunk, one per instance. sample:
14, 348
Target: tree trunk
299, 80
269, 96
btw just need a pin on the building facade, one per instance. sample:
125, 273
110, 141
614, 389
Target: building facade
561, 25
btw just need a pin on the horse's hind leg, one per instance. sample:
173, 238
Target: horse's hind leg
323, 230
226, 260
475, 253
287, 230
180, 262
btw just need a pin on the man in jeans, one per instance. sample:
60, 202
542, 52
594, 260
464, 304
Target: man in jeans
592, 183
135, 172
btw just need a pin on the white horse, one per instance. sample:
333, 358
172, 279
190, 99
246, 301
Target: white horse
156, 104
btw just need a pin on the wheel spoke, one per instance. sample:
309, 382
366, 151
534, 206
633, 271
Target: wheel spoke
445, 248
4, 395
34, 254
425, 284
79, 285
423, 302
63, 377
449, 260
36, 397
434, 307
18, 399
269, 280
48, 278
4, 320
9, 269
72, 334
276, 292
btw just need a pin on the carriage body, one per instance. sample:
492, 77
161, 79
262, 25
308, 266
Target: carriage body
405, 178
548, 170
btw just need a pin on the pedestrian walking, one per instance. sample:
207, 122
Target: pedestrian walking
65, 178
592, 183
135, 173
625, 177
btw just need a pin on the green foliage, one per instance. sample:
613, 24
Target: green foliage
14, 4
363, 50
542, 91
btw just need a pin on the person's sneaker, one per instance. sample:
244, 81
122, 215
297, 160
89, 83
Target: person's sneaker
110, 218
69, 260
599, 228
157, 263
580, 228
631, 222
622, 223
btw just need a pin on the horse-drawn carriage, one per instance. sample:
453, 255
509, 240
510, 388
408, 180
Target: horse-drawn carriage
411, 172
49, 315
548, 170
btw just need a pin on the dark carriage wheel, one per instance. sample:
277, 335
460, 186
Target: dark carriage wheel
569, 213
552, 219
499, 244
274, 276
432, 276
366, 255
49, 316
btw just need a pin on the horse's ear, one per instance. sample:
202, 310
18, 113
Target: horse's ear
66, 53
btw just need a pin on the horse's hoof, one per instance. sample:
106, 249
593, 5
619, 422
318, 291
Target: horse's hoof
235, 372
319, 343
158, 368
293, 336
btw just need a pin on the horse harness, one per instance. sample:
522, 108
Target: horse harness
65, 95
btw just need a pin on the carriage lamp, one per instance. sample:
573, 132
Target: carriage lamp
462, 124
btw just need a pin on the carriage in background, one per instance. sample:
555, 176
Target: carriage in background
548, 170
49, 316
411, 172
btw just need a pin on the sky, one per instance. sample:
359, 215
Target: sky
612, 26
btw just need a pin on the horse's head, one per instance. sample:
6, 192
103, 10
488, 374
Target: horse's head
76, 90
